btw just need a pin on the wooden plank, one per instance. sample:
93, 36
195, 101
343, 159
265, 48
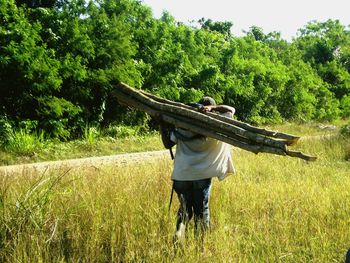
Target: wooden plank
252, 138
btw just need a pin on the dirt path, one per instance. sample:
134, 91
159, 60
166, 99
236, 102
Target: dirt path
93, 162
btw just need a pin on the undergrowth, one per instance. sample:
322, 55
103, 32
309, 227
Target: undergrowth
25, 146
22, 146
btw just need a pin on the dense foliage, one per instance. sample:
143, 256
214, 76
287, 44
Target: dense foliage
60, 59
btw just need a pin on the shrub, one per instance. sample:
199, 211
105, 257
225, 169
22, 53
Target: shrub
91, 134
345, 130
347, 152
345, 106
122, 131
59, 117
5, 131
23, 142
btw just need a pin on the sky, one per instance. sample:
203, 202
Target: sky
271, 15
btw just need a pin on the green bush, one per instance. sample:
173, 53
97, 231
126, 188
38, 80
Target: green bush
5, 131
345, 131
345, 106
91, 134
25, 143
122, 131
59, 117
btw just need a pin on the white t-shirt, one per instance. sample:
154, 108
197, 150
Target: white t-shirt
200, 158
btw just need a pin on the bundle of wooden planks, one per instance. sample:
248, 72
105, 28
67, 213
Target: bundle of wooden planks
236, 133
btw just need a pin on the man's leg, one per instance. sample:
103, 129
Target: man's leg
183, 190
347, 257
201, 192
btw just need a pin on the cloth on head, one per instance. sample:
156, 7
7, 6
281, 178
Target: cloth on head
206, 101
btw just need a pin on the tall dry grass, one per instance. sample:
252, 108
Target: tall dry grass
275, 209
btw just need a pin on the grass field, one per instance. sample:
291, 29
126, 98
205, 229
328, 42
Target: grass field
274, 209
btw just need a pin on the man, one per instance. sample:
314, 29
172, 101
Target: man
198, 159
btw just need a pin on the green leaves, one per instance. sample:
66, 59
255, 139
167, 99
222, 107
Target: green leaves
58, 65
58, 116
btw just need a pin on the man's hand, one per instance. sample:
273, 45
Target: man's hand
207, 108
158, 118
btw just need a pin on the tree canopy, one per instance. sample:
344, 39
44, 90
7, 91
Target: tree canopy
60, 59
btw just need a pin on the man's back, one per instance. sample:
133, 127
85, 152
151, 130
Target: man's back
200, 158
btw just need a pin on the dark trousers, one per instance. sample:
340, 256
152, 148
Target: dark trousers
194, 201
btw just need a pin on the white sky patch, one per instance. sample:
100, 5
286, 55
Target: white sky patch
271, 15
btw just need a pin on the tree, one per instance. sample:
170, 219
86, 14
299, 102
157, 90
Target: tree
257, 33
27, 68
325, 45
60, 59
37, 3
221, 27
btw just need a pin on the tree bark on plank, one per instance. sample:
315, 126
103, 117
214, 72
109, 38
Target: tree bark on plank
203, 118
206, 127
205, 132
291, 139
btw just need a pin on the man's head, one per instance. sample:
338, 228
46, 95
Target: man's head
207, 101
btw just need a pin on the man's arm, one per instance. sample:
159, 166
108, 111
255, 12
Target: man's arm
219, 108
165, 130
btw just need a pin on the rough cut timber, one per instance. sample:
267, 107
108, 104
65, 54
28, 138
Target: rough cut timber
209, 124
